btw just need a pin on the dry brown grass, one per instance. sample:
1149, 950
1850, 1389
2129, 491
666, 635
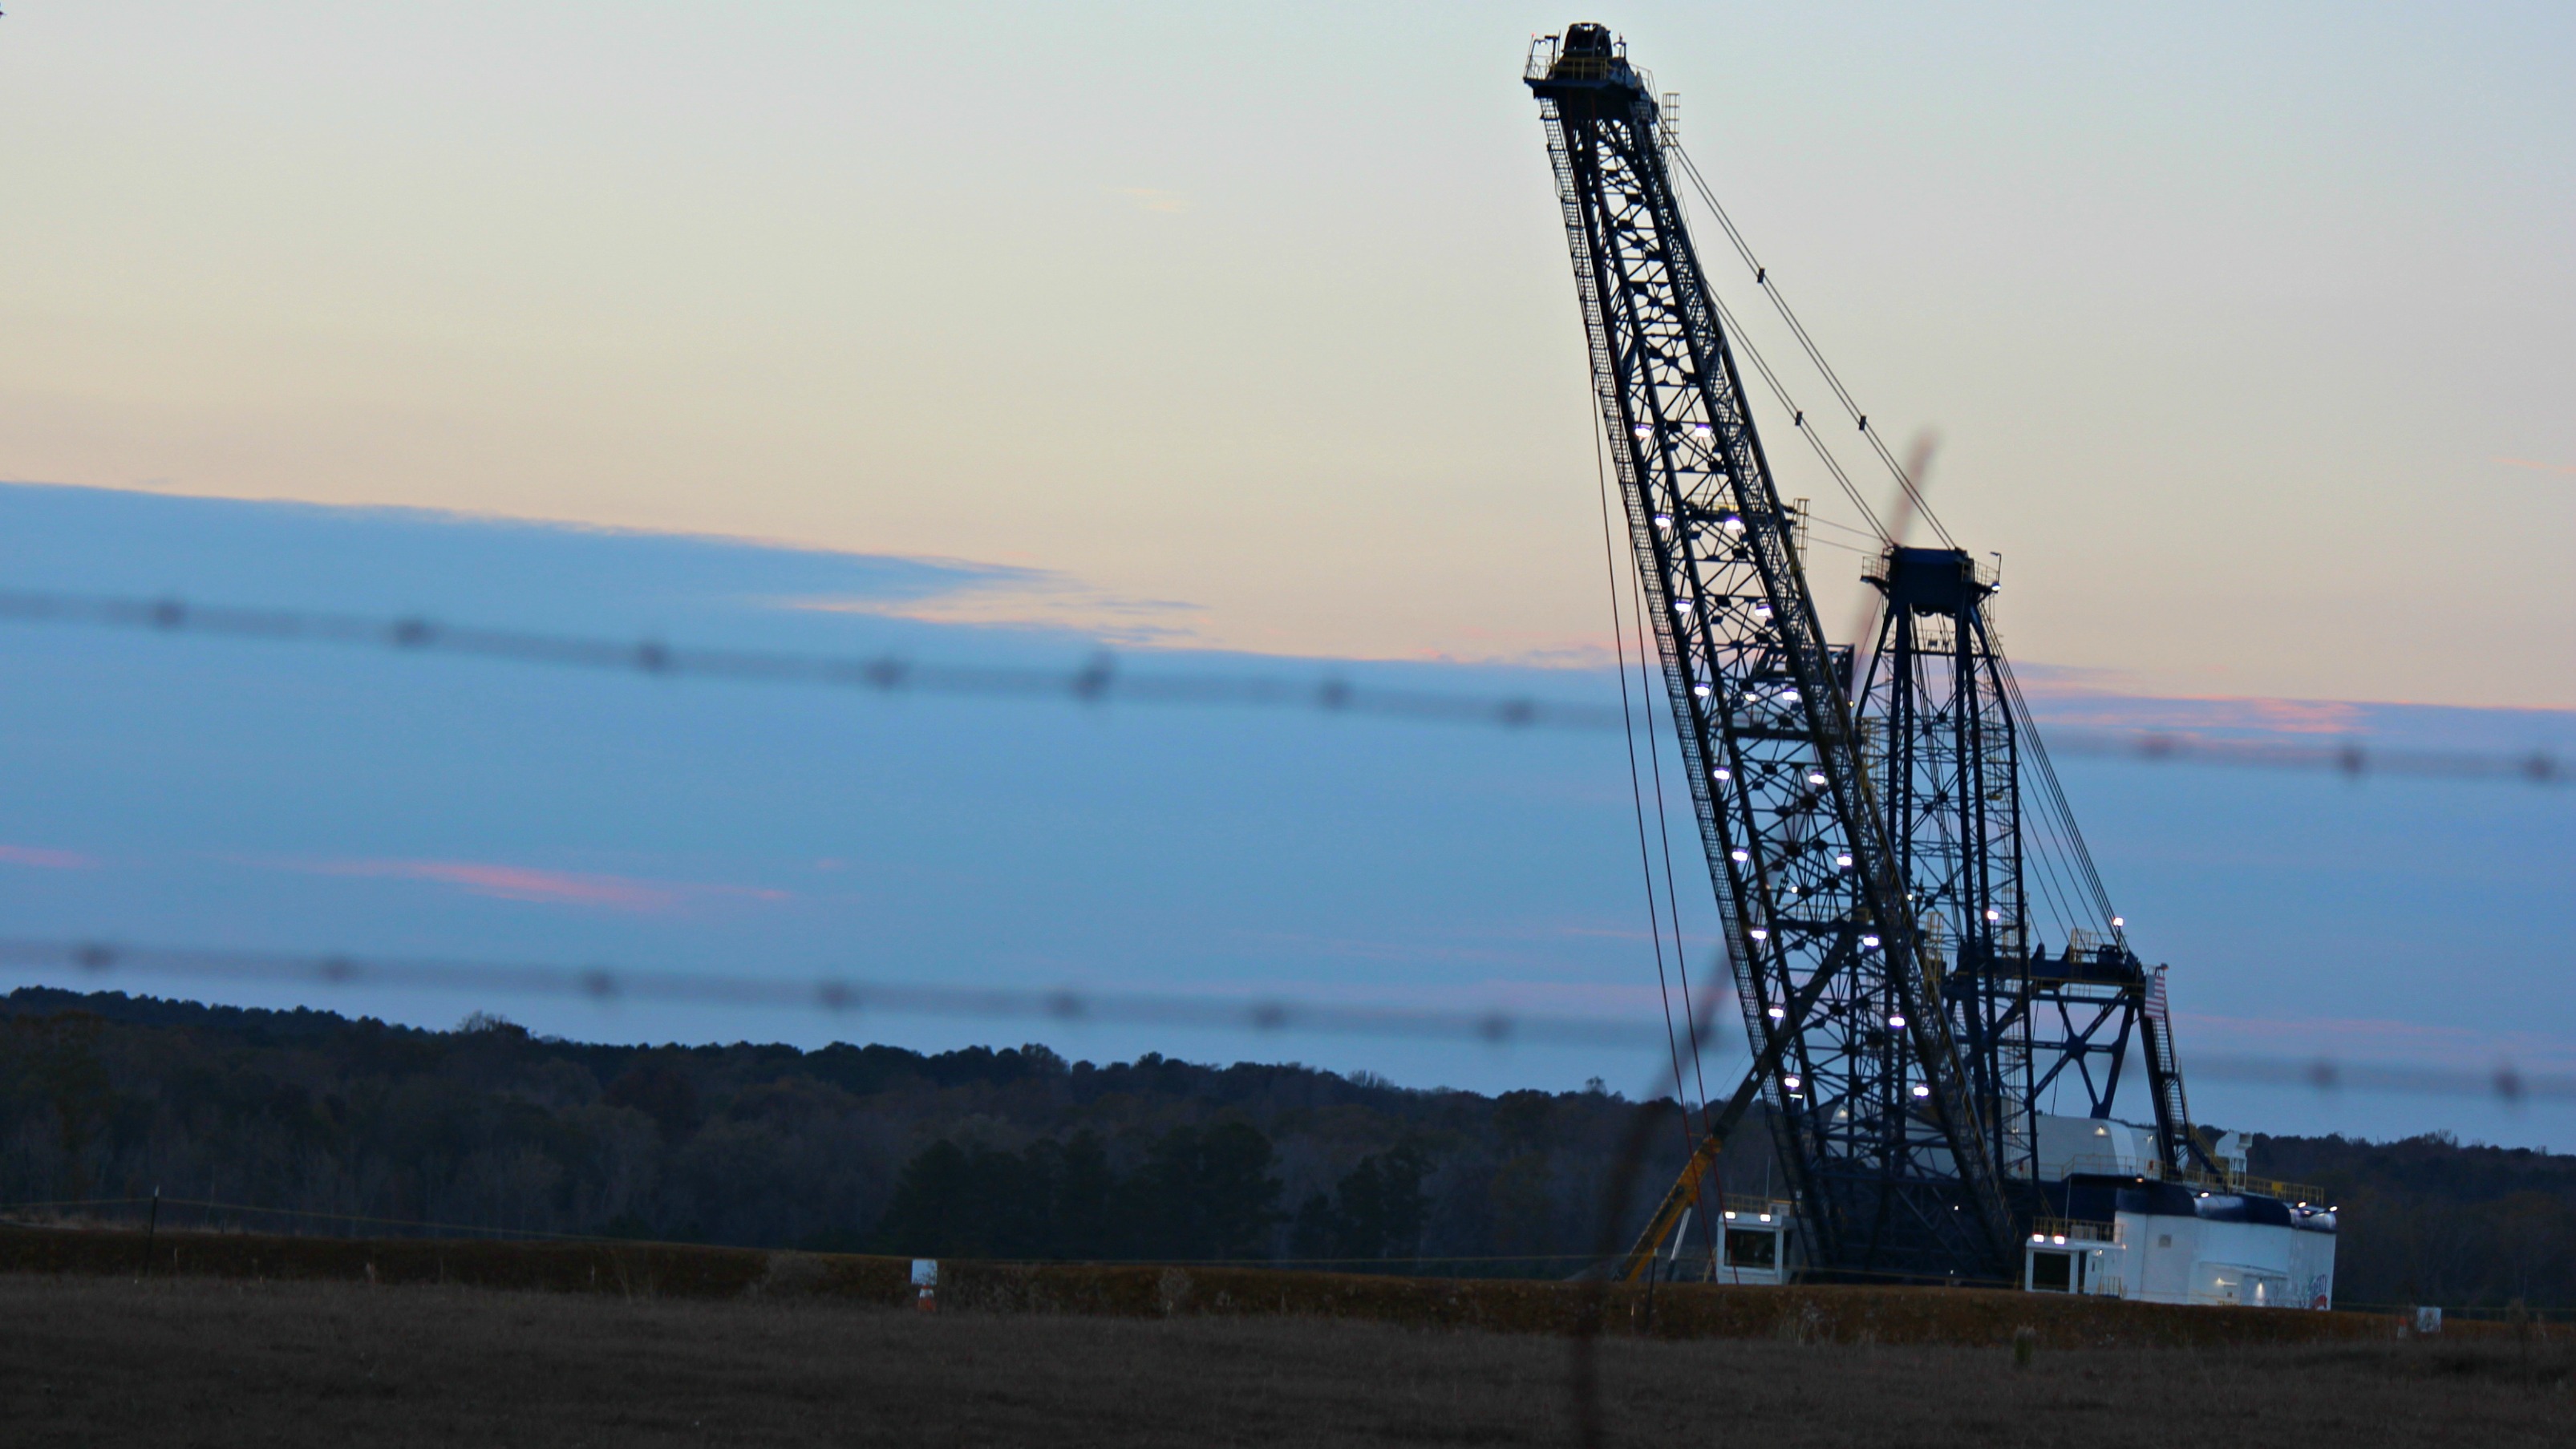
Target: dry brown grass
92, 1360
1846, 1315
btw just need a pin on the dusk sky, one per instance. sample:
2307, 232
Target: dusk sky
1246, 338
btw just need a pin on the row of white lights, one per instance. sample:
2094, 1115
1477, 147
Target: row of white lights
1778, 1013
1733, 523
1795, 1084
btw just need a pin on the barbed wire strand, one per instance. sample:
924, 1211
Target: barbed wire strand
835, 996
1103, 680
92, 963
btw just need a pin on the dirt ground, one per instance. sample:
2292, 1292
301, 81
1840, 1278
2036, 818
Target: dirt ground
89, 1360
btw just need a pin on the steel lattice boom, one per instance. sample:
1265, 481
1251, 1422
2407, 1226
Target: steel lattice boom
1843, 996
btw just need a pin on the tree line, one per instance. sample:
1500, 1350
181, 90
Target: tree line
1010, 1153
316, 1122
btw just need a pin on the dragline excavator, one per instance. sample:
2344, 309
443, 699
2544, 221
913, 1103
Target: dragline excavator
1864, 837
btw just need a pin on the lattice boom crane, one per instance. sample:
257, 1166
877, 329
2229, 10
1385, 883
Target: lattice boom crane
1842, 992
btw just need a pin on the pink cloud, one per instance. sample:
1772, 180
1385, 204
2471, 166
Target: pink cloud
43, 859
544, 887
2534, 465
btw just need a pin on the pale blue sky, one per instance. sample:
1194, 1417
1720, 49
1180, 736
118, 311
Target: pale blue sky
2225, 312
2245, 330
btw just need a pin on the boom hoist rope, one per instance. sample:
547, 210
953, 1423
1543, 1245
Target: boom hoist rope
1851, 407
1636, 797
2070, 842
1690, 1013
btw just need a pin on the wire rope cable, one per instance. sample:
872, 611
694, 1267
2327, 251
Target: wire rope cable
2068, 875
1636, 791
1743, 341
1797, 329
1664, 831
2054, 795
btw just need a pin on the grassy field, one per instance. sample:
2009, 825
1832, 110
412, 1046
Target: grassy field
92, 1360
1851, 1315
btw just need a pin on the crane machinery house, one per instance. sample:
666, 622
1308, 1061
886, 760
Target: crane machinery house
2126, 1232
1929, 965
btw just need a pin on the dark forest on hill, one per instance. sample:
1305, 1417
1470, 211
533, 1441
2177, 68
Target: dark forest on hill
1014, 1153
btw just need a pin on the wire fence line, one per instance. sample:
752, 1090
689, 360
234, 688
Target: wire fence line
2350, 759
2504, 1083
1104, 679
92, 964
836, 996
1098, 681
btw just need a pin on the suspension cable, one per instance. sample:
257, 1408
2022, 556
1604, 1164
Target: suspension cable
1664, 831
2055, 796
1797, 329
1743, 341
1636, 791
2071, 850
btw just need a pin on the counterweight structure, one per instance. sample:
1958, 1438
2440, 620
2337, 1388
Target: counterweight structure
1842, 992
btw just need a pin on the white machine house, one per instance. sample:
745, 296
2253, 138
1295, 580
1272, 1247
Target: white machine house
2129, 1233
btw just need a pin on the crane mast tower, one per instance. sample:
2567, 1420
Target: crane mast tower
1946, 738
